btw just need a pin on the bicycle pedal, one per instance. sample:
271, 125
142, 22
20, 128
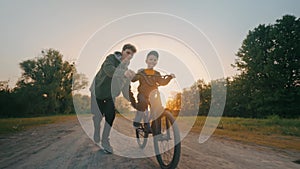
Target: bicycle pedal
106, 151
140, 130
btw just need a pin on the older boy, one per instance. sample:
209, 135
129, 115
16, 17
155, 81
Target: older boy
103, 95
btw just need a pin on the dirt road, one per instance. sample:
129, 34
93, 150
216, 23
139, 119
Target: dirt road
66, 145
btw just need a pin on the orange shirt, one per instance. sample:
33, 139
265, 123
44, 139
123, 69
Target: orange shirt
149, 71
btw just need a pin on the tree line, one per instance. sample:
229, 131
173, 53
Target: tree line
268, 82
44, 88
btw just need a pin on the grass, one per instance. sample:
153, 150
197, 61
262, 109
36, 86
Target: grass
13, 125
273, 132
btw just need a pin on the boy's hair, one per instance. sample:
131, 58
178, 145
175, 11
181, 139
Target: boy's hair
130, 47
153, 52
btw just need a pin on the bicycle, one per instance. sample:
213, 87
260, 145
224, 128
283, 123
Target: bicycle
165, 131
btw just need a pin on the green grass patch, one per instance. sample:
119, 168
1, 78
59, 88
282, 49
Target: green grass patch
13, 125
273, 131
287, 127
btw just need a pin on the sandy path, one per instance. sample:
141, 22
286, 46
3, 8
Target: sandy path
66, 145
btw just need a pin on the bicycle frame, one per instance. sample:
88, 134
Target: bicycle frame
165, 133
156, 111
164, 130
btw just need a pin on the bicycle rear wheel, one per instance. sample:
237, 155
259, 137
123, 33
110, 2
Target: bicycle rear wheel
167, 141
142, 135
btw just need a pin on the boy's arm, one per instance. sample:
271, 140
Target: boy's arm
110, 69
127, 93
163, 81
137, 76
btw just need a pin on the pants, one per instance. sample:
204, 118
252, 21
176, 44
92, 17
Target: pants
142, 115
102, 108
143, 102
142, 106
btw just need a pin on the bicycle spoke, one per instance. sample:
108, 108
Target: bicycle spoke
167, 143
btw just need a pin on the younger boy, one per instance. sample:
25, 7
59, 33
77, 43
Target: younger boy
149, 80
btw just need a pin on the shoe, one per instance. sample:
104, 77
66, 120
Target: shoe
97, 137
136, 124
106, 146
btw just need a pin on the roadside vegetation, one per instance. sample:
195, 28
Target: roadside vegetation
13, 125
272, 131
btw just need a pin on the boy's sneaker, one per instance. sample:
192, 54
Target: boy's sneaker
136, 124
106, 146
97, 137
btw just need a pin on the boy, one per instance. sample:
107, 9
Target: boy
102, 103
149, 80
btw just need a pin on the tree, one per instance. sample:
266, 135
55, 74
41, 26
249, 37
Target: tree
122, 105
4, 86
205, 97
237, 98
194, 100
174, 104
268, 61
5, 99
190, 100
46, 84
82, 103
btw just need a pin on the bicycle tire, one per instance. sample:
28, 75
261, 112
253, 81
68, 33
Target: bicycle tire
141, 136
167, 118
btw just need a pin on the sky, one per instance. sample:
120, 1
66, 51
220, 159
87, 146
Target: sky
196, 37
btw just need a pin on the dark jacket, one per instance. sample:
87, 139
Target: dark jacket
148, 83
110, 79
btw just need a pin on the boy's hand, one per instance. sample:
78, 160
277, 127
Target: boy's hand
129, 74
172, 75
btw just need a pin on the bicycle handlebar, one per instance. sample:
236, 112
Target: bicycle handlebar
163, 76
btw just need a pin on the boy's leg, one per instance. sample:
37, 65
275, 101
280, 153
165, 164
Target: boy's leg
138, 118
147, 120
110, 114
142, 105
97, 117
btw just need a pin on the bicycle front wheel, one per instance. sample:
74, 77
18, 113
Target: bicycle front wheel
141, 135
167, 141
